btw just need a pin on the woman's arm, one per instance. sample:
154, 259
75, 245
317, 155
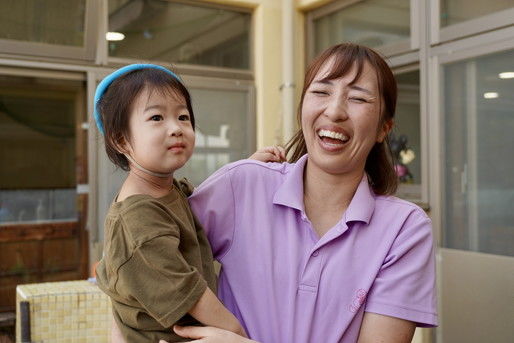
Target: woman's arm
207, 310
385, 329
209, 334
116, 336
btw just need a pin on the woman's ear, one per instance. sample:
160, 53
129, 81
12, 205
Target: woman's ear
387, 126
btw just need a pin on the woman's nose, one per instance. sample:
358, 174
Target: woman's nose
336, 109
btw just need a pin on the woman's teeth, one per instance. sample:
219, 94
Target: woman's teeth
333, 135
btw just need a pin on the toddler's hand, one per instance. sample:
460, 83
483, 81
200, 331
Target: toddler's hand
270, 154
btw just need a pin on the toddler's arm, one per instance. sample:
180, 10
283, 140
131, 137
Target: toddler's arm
211, 312
270, 154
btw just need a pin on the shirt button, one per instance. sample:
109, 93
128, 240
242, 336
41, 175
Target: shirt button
316, 253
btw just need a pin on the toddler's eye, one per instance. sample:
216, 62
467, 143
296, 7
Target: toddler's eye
156, 117
183, 117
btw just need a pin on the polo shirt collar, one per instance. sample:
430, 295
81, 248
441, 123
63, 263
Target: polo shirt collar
290, 194
363, 203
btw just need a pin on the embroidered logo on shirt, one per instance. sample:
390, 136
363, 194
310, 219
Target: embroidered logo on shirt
358, 300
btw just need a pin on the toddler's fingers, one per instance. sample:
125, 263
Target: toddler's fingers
271, 157
282, 152
279, 152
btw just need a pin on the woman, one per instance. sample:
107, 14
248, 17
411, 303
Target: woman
317, 250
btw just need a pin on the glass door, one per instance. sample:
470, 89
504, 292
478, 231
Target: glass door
477, 193
43, 164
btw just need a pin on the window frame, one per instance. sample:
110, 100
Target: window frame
469, 27
62, 52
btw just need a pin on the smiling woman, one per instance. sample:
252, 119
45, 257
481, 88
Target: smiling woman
323, 235
355, 86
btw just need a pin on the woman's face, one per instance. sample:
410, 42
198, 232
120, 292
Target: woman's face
341, 121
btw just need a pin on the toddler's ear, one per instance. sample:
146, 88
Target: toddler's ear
122, 145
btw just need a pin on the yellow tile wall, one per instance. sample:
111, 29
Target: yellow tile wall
69, 311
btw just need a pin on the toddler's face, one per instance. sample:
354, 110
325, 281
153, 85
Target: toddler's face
161, 135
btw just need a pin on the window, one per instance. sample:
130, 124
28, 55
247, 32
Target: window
172, 32
455, 19
405, 138
38, 121
63, 29
43, 21
479, 121
385, 26
457, 11
224, 131
374, 23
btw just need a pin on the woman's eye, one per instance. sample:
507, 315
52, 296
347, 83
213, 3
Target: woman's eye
358, 100
319, 92
183, 117
156, 117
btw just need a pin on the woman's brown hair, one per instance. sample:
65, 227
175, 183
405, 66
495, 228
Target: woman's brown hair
343, 57
116, 104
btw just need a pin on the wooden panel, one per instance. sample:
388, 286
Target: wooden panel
61, 254
28, 232
49, 258
18, 256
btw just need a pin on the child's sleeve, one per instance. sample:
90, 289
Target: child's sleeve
405, 285
213, 203
156, 275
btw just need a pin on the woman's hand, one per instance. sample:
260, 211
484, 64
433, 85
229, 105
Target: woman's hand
270, 154
209, 334
116, 336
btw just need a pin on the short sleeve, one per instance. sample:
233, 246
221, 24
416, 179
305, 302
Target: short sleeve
405, 285
213, 204
158, 277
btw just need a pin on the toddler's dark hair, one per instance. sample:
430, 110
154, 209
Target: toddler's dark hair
116, 104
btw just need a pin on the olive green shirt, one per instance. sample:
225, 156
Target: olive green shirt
157, 263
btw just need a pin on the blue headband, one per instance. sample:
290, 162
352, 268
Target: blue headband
102, 86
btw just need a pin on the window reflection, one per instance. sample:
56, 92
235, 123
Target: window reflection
372, 23
49, 21
405, 138
179, 33
38, 149
456, 11
221, 134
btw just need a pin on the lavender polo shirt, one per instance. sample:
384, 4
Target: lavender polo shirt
285, 284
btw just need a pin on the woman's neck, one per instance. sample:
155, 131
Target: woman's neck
139, 182
327, 196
